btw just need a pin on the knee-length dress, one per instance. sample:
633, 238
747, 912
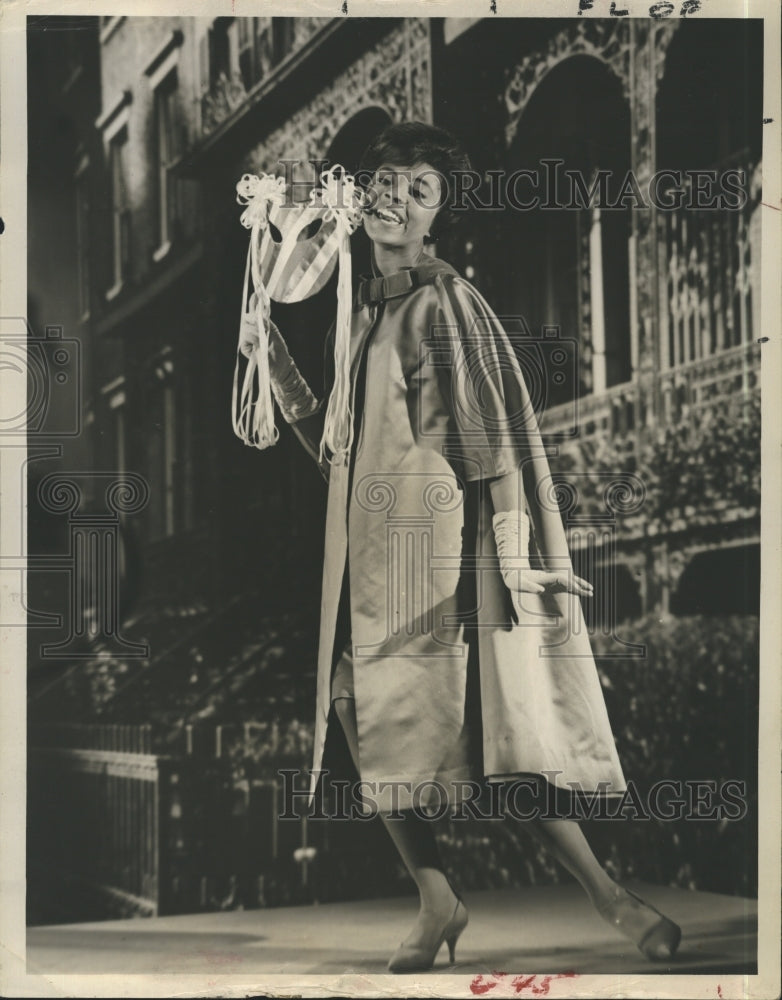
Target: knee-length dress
441, 408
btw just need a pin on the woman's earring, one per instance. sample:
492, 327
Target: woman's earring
364, 203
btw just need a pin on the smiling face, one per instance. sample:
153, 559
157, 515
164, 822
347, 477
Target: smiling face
402, 205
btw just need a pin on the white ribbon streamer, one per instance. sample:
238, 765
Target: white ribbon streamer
342, 200
252, 409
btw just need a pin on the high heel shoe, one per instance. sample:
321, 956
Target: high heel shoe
655, 935
417, 958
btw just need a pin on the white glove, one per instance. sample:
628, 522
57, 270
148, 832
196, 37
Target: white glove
511, 534
293, 395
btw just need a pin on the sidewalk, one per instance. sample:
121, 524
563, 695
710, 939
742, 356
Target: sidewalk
543, 929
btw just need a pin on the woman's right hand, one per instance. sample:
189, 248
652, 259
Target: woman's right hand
249, 340
280, 362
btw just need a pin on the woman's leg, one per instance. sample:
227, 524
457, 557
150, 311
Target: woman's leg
414, 839
565, 841
654, 934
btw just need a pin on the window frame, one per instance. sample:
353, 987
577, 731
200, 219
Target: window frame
118, 145
167, 150
82, 198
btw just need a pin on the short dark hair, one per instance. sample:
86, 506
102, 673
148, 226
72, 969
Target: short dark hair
410, 143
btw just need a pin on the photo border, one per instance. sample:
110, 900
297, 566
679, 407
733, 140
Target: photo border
19, 980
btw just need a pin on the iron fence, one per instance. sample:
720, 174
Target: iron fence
117, 827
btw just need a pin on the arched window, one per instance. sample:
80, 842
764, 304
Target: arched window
567, 257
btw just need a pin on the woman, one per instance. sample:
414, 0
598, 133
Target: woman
451, 641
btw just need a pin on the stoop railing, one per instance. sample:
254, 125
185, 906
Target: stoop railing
117, 829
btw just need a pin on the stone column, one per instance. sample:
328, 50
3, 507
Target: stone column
649, 41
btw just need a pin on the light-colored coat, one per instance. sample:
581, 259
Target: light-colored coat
443, 409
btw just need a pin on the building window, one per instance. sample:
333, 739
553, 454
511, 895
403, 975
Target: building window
254, 35
184, 468
73, 56
218, 53
248, 66
244, 48
166, 424
120, 211
220, 62
167, 149
282, 37
83, 242
169, 457
113, 426
117, 420
108, 25
160, 443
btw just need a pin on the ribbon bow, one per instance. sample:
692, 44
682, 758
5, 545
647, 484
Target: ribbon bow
340, 198
257, 192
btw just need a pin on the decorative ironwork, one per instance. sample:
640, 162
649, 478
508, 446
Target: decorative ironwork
224, 97
305, 27
606, 40
704, 381
393, 75
711, 261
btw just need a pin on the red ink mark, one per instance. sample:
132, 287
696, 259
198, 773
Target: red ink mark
537, 986
539, 989
719, 991
478, 986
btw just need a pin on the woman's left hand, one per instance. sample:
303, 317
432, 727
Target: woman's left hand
562, 582
541, 581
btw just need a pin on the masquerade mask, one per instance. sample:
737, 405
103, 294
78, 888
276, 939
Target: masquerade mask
298, 252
